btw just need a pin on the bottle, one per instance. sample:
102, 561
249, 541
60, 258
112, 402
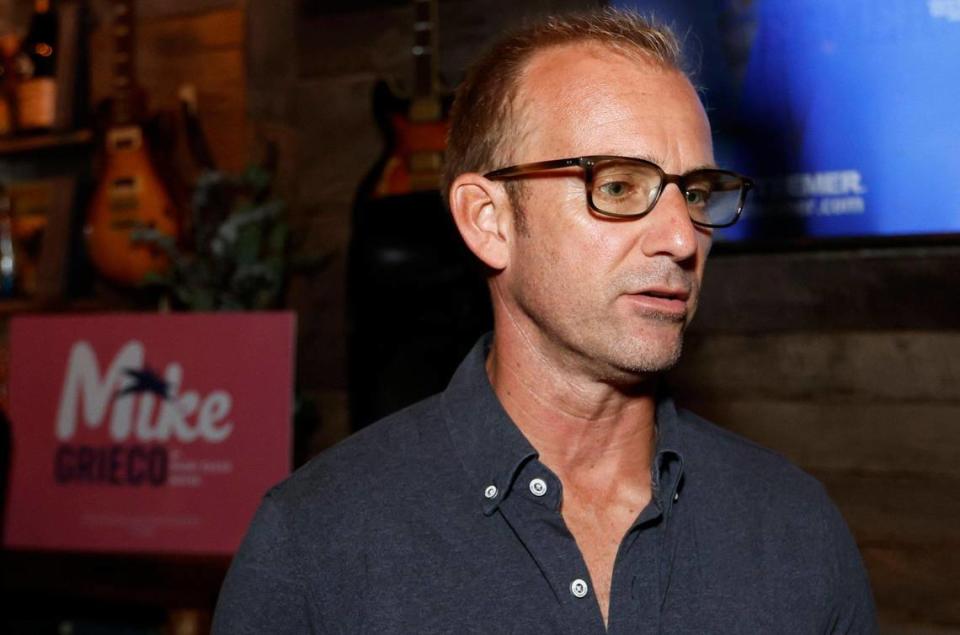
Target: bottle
7, 255
37, 69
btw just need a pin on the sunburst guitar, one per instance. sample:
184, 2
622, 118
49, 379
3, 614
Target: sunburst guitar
130, 192
130, 196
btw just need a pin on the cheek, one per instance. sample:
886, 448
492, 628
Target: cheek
566, 245
704, 243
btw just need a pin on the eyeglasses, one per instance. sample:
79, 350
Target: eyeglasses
624, 187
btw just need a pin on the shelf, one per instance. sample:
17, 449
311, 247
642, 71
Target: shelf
12, 306
19, 145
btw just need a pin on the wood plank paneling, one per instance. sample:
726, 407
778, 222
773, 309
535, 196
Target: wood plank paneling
192, 34
147, 9
908, 529
886, 509
914, 584
895, 438
816, 290
205, 49
869, 366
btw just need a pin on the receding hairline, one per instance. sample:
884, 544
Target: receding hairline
592, 47
483, 130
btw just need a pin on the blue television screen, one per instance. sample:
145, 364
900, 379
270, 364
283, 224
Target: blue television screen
846, 112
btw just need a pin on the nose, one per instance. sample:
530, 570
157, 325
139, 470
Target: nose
668, 230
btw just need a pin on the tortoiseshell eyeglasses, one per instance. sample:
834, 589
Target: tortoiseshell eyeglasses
625, 187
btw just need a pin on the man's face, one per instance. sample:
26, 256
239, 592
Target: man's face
609, 298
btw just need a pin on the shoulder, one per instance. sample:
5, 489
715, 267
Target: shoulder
747, 496
751, 501
368, 470
317, 526
724, 460
751, 497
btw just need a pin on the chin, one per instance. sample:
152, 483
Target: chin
641, 357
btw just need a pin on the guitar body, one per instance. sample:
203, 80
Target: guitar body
415, 159
130, 195
414, 128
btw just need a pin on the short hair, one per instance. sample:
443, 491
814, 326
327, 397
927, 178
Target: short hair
483, 112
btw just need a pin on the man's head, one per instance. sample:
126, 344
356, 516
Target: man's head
603, 297
484, 126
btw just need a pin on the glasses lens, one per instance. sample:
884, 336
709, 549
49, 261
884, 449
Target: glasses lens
713, 196
624, 188
629, 188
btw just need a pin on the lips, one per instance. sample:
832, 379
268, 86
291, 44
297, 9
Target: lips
670, 302
667, 293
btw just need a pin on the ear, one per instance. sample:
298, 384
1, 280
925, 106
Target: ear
481, 210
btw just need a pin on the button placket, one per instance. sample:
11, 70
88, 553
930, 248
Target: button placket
549, 542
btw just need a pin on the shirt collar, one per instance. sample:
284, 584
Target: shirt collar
668, 460
489, 444
492, 449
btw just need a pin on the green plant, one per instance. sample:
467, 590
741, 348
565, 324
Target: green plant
233, 257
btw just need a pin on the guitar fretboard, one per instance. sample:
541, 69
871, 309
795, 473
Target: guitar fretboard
425, 72
124, 64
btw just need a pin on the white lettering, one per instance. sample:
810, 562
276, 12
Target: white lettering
214, 409
83, 383
836, 183
83, 380
842, 206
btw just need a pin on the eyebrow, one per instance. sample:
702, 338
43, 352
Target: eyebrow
704, 166
653, 159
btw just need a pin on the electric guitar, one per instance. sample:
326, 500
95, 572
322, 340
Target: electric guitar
415, 128
130, 194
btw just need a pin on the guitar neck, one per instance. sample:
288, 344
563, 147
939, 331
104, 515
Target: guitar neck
426, 104
124, 86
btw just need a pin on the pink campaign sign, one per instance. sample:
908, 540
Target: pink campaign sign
146, 433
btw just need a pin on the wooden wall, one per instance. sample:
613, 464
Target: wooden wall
186, 41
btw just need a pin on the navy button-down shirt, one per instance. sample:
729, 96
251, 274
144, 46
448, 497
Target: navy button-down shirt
441, 519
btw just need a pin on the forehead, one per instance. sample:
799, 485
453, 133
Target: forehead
582, 99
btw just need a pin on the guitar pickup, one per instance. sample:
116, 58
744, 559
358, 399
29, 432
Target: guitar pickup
426, 161
124, 138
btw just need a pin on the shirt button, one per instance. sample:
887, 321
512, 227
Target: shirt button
538, 487
579, 588
491, 491
676, 497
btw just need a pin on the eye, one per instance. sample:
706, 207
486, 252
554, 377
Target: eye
698, 197
616, 189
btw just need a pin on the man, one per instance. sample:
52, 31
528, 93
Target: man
551, 488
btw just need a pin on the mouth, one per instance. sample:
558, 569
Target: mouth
665, 302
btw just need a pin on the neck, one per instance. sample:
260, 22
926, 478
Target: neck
590, 433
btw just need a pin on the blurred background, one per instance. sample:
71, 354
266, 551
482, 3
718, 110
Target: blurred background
162, 157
